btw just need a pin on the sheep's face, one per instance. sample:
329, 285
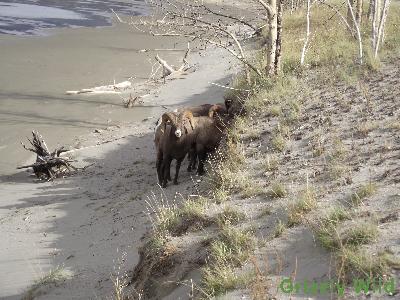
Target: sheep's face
178, 133
180, 125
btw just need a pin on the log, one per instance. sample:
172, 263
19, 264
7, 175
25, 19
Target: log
48, 165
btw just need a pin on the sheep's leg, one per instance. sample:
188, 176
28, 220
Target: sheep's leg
159, 166
192, 160
202, 158
178, 166
166, 165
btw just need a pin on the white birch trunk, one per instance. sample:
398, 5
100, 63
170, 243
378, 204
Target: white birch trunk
360, 50
303, 53
382, 22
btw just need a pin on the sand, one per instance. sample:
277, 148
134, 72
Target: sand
88, 225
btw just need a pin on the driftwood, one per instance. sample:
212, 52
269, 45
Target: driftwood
115, 88
171, 70
131, 101
48, 165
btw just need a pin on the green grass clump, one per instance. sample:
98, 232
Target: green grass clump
248, 188
335, 216
360, 234
355, 263
178, 220
279, 229
278, 142
230, 216
270, 163
278, 190
222, 277
306, 203
275, 110
233, 245
220, 195
326, 230
363, 192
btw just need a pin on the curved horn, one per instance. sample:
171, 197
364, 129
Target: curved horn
213, 109
188, 114
168, 116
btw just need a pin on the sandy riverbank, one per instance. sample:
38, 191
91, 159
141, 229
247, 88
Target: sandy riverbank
90, 224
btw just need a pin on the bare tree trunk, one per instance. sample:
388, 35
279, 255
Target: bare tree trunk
371, 10
279, 38
349, 11
374, 31
359, 12
273, 32
303, 53
382, 22
360, 53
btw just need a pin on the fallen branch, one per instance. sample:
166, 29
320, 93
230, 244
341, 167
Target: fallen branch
131, 101
48, 165
171, 70
104, 89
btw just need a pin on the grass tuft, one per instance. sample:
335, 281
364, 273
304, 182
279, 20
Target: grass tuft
278, 190
279, 229
230, 216
222, 277
305, 204
363, 192
53, 277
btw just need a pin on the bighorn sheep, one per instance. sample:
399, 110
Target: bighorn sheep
173, 141
208, 133
175, 135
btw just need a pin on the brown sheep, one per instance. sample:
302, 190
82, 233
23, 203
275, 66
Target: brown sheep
174, 138
174, 143
208, 133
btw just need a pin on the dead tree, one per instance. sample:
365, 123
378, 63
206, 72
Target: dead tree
197, 22
278, 56
305, 46
371, 10
48, 165
379, 28
273, 8
359, 11
357, 29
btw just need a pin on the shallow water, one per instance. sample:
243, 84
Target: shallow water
32, 17
37, 70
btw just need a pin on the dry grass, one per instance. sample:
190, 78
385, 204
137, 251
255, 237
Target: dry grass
363, 192
278, 142
280, 228
270, 163
222, 277
277, 190
52, 278
228, 251
229, 216
355, 263
306, 203
364, 128
359, 234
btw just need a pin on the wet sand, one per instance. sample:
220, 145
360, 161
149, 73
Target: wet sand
37, 70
